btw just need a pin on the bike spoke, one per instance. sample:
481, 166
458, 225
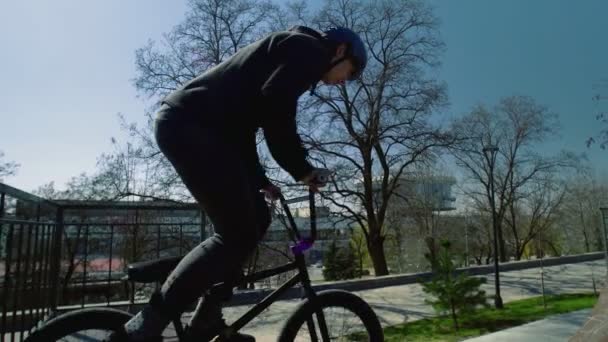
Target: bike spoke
341, 324
87, 336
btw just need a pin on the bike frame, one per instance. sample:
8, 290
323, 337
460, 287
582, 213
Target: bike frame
302, 244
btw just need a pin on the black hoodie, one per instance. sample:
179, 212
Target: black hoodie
258, 87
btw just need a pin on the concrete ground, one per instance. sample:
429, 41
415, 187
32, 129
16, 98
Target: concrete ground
400, 304
406, 303
558, 328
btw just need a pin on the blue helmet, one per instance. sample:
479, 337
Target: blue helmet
356, 48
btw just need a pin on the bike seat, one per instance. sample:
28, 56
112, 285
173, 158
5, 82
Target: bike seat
153, 270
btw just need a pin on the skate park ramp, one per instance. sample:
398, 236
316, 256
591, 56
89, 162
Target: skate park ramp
595, 329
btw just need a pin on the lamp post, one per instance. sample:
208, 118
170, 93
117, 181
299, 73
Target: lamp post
490, 154
604, 211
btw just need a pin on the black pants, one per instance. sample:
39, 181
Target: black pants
209, 162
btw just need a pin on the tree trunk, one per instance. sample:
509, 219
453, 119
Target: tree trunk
454, 317
432, 246
501, 243
518, 247
520, 251
376, 253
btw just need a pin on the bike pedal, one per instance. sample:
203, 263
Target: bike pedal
120, 336
236, 337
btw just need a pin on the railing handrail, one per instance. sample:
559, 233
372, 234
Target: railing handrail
125, 205
18, 221
92, 224
22, 195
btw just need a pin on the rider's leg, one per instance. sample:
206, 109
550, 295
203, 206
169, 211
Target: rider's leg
222, 184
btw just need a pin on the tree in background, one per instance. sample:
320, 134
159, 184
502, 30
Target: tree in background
453, 293
340, 263
374, 130
369, 131
133, 240
211, 31
7, 168
517, 125
423, 197
359, 248
478, 234
580, 220
532, 212
599, 99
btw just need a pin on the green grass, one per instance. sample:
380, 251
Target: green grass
487, 320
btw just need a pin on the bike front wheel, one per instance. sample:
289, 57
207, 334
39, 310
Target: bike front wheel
334, 315
81, 325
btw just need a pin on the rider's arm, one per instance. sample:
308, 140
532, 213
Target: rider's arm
301, 64
259, 169
261, 175
250, 154
286, 147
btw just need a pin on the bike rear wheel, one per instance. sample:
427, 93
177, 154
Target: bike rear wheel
345, 317
81, 325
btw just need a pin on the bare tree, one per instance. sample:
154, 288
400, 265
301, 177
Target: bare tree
372, 130
7, 168
478, 235
383, 121
427, 193
579, 216
81, 187
534, 212
599, 99
212, 31
516, 126
137, 169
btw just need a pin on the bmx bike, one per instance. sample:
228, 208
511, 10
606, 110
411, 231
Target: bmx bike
331, 315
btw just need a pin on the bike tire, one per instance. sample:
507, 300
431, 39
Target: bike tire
72, 322
333, 299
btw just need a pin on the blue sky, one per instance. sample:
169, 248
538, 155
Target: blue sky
66, 68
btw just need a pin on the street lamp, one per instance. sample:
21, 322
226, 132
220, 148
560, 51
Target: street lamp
490, 154
604, 211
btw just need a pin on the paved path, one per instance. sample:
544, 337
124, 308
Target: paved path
399, 304
558, 328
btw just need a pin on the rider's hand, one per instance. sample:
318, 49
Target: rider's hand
271, 192
317, 178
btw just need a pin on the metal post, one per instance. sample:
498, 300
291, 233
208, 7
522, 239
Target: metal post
466, 241
492, 159
56, 258
604, 211
542, 267
203, 225
2, 199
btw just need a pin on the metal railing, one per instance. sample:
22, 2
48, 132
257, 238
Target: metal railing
58, 255
28, 287
61, 255
28, 248
94, 258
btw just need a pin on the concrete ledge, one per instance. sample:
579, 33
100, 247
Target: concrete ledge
248, 297
254, 296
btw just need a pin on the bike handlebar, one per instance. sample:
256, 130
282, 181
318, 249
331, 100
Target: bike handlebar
303, 243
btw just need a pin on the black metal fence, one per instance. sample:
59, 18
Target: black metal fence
28, 281
61, 255
58, 255
94, 258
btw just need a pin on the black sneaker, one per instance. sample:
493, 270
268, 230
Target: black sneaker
236, 337
211, 331
121, 336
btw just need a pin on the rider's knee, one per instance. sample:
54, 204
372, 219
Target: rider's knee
159, 304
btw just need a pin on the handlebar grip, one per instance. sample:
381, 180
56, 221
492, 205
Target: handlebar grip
322, 178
